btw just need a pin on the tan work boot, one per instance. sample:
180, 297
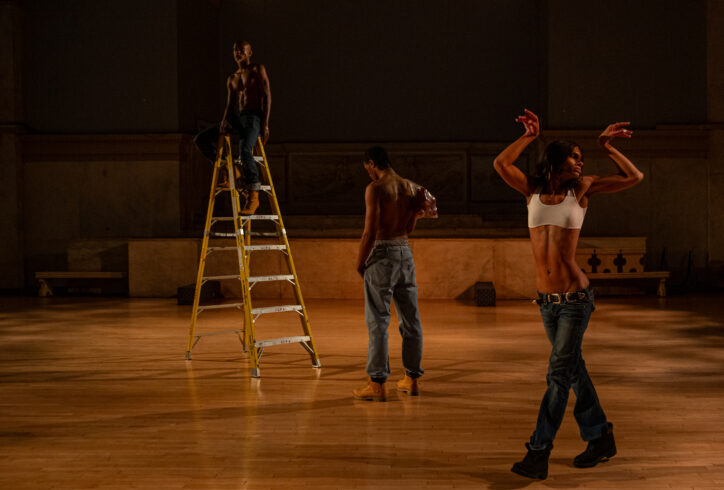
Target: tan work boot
409, 385
223, 179
372, 391
252, 202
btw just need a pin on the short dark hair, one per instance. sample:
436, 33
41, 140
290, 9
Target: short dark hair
553, 158
379, 157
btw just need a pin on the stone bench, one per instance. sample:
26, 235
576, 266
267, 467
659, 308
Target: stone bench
613, 278
615, 261
45, 278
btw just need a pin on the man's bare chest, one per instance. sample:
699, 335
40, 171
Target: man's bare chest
246, 80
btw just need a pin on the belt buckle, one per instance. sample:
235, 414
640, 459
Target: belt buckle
557, 297
574, 296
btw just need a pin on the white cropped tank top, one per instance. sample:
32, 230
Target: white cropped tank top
566, 214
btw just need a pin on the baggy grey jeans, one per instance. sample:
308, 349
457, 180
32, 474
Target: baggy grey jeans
390, 275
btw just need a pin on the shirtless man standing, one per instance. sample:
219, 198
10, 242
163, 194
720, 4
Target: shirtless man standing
248, 104
385, 262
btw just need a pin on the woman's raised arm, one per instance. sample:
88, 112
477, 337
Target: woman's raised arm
504, 163
628, 175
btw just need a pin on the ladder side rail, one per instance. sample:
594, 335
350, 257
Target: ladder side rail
304, 317
224, 145
249, 326
241, 252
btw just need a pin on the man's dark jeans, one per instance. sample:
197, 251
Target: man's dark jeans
565, 325
248, 126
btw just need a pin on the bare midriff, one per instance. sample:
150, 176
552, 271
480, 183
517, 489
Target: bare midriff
554, 250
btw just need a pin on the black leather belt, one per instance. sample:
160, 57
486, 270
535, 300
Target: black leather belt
559, 298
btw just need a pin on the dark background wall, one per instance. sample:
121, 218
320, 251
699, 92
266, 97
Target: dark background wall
128, 66
345, 71
400, 71
439, 83
642, 61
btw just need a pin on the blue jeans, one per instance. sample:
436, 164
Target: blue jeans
247, 125
390, 275
565, 325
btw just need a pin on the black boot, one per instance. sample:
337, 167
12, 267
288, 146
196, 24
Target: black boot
598, 449
535, 463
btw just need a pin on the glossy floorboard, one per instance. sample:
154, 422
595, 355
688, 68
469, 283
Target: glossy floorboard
95, 393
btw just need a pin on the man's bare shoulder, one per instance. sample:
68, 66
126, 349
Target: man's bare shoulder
411, 186
256, 68
374, 187
373, 192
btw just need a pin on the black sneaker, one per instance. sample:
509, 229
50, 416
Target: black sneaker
598, 450
535, 463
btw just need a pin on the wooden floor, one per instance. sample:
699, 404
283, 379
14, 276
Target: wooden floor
95, 393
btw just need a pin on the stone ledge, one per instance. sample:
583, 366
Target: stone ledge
102, 147
446, 268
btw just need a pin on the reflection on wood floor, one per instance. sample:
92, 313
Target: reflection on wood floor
95, 393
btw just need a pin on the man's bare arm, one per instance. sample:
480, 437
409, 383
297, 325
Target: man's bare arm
413, 221
414, 216
372, 222
224, 126
267, 102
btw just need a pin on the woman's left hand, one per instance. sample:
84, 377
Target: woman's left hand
615, 130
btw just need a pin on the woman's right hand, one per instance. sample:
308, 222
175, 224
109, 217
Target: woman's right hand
531, 123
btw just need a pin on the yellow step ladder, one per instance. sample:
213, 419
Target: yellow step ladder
243, 247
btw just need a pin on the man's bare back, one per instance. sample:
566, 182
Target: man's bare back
389, 212
394, 196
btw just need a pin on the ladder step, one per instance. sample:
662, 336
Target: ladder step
269, 217
263, 188
255, 248
222, 235
282, 340
264, 233
219, 307
275, 309
220, 248
283, 277
221, 332
231, 218
219, 278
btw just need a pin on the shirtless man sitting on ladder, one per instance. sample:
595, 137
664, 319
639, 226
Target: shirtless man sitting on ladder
248, 104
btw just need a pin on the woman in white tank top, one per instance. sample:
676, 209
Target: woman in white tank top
557, 197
